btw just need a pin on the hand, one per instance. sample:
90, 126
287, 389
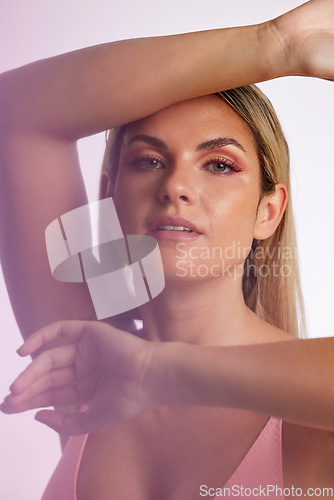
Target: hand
99, 366
307, 36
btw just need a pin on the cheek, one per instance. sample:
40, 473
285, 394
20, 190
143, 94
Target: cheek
130, 205
236, 217
125, 211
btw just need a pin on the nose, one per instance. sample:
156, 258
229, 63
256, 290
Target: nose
178, 186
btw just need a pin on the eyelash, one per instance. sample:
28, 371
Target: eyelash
213, 161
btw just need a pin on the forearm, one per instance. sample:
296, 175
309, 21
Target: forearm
90, 90
290, 380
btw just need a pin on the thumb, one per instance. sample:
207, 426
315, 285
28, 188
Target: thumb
67, 423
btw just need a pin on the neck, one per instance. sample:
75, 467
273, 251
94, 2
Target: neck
202, 312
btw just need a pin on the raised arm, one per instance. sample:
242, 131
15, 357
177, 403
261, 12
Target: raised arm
84, 92
87, 91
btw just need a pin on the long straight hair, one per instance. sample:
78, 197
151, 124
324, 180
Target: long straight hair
271, 282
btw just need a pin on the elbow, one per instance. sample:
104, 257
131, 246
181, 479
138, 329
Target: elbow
3, 108
7, 105
16, 102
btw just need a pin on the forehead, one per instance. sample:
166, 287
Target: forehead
194, 121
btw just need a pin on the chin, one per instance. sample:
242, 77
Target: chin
184, 271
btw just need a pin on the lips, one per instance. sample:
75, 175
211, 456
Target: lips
175, 224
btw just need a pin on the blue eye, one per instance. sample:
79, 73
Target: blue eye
148, 163
221, 166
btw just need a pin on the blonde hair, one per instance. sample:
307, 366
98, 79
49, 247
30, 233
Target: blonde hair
271, 284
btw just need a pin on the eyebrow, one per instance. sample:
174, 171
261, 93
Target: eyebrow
153, 141
218, 142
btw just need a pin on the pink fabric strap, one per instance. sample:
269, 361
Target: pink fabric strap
262, 465
63, 483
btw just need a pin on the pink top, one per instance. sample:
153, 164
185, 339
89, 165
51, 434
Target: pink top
261, 467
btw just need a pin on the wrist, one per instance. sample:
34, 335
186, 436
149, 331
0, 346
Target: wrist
277, 53
166, 380
191, 375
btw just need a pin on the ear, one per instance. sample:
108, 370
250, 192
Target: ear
107, 188
270, 212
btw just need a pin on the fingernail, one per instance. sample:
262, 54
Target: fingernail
12, 389
3, 407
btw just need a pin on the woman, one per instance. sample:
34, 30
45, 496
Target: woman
166, 172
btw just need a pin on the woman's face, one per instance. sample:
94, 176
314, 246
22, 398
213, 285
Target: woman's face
189, 176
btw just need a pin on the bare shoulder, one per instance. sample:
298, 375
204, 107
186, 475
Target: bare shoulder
261, 332
308, 453
308, 457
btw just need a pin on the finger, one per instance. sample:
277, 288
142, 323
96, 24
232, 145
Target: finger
71, 330
47, 361
52, 380
60, 396
67, 424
